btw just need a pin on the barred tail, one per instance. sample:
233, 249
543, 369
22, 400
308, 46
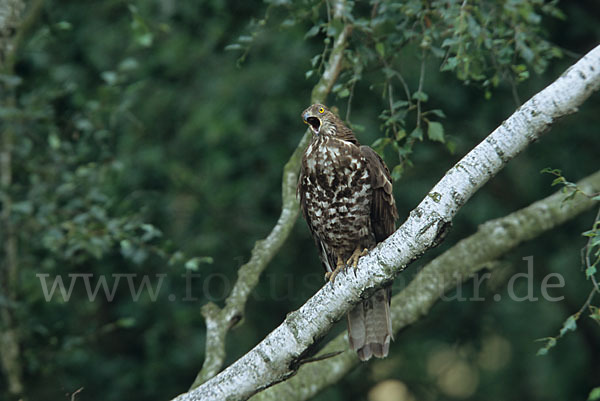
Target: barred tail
370, 326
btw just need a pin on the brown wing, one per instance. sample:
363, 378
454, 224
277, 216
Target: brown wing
383, 206
369, 323
300, 193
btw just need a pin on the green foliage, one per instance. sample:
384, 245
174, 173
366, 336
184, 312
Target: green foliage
590, 258
594, 394
483, 42
569, 325
139, 143
480, 42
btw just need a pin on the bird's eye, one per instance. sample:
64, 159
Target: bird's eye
321, 110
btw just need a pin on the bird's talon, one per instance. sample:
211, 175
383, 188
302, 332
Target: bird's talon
356, 255
330, 276
339, 266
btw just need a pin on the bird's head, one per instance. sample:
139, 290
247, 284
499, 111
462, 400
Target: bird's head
320, 120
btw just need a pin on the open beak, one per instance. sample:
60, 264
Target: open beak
313, 122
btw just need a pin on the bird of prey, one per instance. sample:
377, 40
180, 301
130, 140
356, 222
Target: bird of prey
345, 192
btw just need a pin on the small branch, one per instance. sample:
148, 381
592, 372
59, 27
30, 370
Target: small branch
13, 29
420, 90
587, 251
276, 357
481, 250
219, 321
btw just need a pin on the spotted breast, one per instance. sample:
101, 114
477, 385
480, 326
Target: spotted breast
338, 202
345, 193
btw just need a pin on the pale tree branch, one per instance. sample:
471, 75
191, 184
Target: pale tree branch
219, 321
279, 355
479, 251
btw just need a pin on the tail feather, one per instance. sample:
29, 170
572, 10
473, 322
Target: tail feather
370, 326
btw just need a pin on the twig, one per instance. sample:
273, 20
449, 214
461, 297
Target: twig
587, 250
420, 90
79, 390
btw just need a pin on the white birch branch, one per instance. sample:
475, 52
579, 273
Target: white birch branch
279, 355
479, 251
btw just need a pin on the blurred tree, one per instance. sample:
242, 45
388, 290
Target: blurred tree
135, 140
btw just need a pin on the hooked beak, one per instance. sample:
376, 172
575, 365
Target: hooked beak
313, 122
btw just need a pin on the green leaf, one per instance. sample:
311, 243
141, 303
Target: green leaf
417, 133
176, 258
451, 146
315, 60
234, 46
399, 104
380, 144
550, 170
125, 322
590, 271
589, 233
594, 394
145, 40
64, 25
141, 32
10, 81
357, 127
194, 263
150, 232
54, 141
550, 342
569, 325
380, 49
397, 172
245, 38
595, 313
126, 247
312, 32
23, 207
344, 93
435, 131
110, 77
437, 112
400, 134
420, 95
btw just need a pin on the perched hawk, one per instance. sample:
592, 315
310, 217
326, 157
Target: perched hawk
346, 198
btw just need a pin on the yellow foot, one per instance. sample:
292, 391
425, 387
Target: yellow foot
357, 254
338, 266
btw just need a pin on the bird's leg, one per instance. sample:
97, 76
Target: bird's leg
357, 254
338, 266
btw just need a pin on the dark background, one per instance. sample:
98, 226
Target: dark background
138, 121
